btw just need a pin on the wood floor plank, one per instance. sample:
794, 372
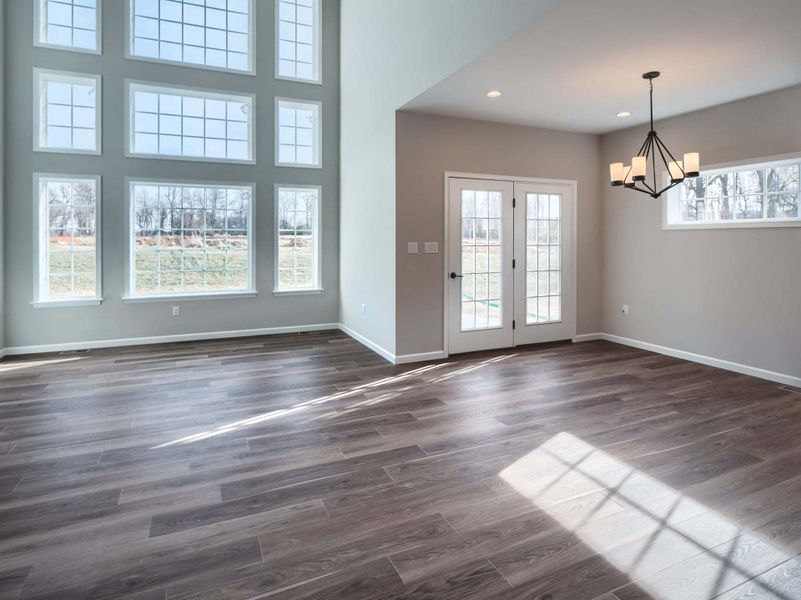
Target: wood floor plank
11, 582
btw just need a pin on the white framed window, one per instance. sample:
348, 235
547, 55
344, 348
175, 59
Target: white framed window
66, 217
297, 239
189, 239
189, 124
297, 39
297, 133
212, 34
67, 112
68, 24
763, 194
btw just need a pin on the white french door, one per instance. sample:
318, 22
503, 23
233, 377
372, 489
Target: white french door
510, 263
480, 249
545, 308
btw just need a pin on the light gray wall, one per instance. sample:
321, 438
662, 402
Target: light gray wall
394, 50
115, 319
732, 294
429, 145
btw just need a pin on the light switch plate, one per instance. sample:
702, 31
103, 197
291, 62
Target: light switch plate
431, 247
411, 247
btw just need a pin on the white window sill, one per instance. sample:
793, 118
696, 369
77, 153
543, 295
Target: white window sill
184, 297
202, 159
734, 224
303, 292
66, 303
179, 63
299, 80
299, 165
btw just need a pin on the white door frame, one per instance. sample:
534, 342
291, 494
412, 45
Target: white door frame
446, 245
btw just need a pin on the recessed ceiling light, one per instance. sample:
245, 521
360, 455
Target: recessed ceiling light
624, 114
494, 94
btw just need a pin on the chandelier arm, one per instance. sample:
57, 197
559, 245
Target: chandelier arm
653, 157
665, 189
644, 144
647, 187
636, 189
649, 144
664, 160
670, 154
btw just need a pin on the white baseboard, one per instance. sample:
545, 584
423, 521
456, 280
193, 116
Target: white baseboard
402, 359
399, 359
693, 357
383, 352
164, 339
588, 337
395, 359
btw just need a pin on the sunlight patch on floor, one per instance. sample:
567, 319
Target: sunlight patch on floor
15, 365
674, 547
302, 406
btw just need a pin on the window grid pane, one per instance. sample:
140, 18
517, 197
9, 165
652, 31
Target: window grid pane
67, 118
297, 39
482, 302
298, 133
543, 258
210, 33
68, 258
297, 250
189, 124
189, 238
769, 192
71, 23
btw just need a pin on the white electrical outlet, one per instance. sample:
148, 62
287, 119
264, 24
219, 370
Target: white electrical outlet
364, 309
176, 310
431, 247
411, 247
624, 310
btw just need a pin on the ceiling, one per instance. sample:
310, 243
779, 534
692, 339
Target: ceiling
580, 64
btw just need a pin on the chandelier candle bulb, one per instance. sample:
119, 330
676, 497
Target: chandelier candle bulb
616, 173
676, 171
692, 164
627, 180
638, 167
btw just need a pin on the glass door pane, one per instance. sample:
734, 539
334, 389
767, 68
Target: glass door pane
543, 258
481, 259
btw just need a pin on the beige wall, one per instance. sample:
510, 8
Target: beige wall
733, 294
426, 147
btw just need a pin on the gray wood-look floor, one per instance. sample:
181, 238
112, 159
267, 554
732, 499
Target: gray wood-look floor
304, 466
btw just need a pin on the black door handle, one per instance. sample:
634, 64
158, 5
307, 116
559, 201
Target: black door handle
454, 276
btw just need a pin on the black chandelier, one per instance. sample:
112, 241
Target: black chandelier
634, 176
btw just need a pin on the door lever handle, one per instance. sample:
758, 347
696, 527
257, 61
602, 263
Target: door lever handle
454, 276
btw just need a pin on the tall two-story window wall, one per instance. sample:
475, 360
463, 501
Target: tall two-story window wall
216, 34
298, 133
67, 269
297, 243
66, 116
190, 124
297, 53
189, 238
68, 24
